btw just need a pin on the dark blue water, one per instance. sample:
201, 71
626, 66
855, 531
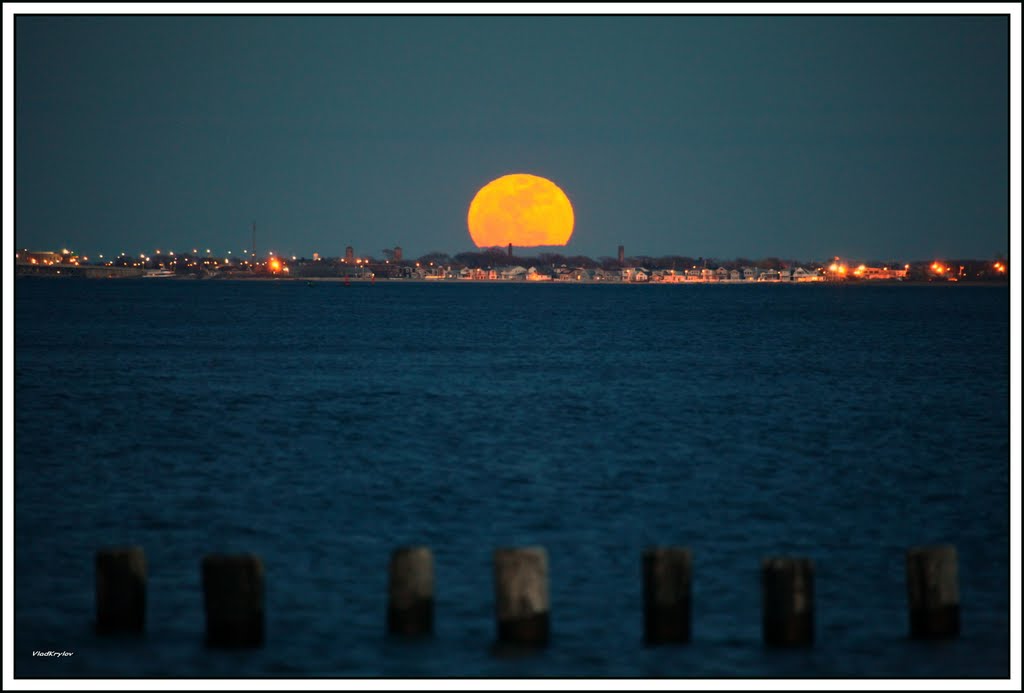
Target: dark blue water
323, 426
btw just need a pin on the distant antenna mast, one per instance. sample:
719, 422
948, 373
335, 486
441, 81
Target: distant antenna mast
254, 239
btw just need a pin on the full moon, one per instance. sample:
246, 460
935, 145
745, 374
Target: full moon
520, 209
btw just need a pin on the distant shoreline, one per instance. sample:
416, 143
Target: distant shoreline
591, 282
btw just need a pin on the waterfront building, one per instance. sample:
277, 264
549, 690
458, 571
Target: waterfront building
512, 273
39, 257
877, 273
802, 275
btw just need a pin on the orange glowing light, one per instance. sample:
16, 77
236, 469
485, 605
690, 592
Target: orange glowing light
275, 265
520, 209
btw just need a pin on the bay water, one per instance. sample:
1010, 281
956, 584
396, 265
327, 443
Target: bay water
321, 426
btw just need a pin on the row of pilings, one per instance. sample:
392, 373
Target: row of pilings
233, 589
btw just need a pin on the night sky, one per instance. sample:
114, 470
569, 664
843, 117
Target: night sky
879, 138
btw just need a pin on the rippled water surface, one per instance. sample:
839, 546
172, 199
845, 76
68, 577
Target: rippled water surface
322, 426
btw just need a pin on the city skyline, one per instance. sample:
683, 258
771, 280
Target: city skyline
743, 136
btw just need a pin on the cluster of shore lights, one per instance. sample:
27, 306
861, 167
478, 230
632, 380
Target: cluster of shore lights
72, 260
157, 252
209, 251
274, 264
999, 267
842, 269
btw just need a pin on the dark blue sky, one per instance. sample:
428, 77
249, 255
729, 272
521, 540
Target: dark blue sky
798, 137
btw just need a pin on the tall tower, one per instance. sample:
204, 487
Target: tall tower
398, 253
254, 239
622, 254
510, 250
349, 253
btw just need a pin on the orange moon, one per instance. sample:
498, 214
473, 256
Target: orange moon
520, 209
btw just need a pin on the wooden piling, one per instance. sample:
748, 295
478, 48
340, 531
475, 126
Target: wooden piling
667, 579
411, 591
521, 595
933, 592
787, 592
120, 590
233, 600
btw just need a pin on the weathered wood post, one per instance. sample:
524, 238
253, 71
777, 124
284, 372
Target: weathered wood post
787, 593
233, 600
411, 591
933, 592
667, 578
521, 595
120, 590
